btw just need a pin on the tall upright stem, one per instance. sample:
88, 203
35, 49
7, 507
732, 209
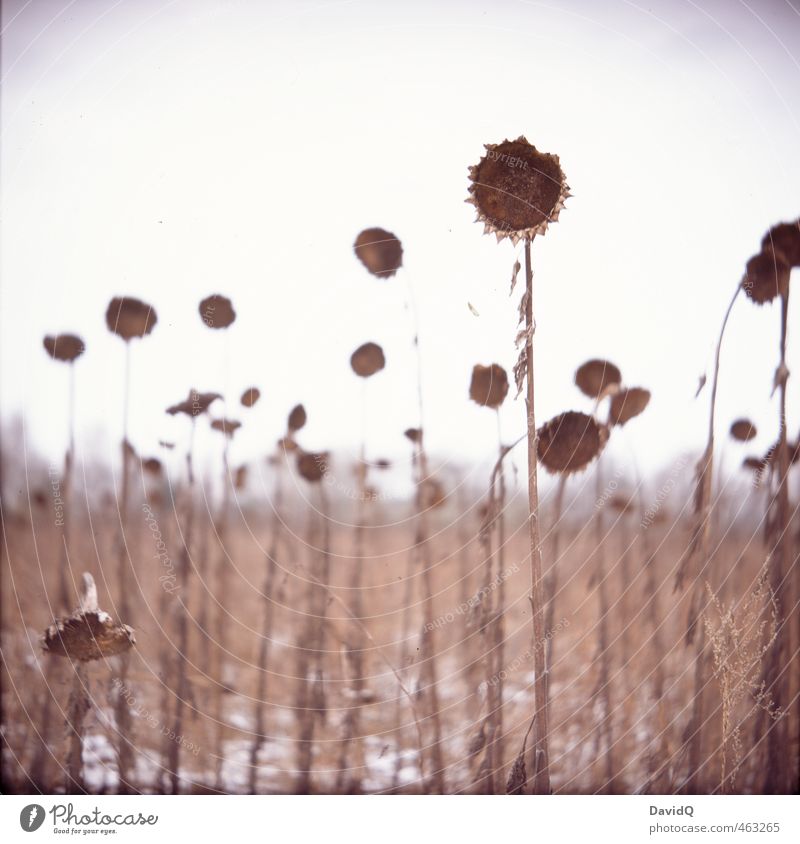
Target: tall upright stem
123, 713
779, 769
541, 756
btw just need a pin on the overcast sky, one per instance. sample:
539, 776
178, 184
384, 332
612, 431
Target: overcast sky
173, 150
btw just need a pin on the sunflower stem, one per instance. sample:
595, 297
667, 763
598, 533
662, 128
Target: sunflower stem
541, 759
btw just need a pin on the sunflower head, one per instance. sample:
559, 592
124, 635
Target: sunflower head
766, 276
250, 396
743, 430
570, 441
64, 347
368, 359
517, 190
129, 317
297, 418
379, 251
595, 376
628, 403
785, 240
312, 465
489, 385
217, 311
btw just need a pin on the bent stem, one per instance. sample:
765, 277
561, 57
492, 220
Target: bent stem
541, 756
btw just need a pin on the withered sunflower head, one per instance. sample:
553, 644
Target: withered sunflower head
489, 385
297, 418
413, 434
129, 317
628, 403
64, 347
784, 239
595, 376
517, 190
226, 426
368, 359
766, 276
195, 404
570, 441
217, 311
250, 396
743, 430
379, 251
152, 466
312, 465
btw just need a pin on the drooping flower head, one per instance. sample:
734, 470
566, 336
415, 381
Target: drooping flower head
570, 441
368, 359
595, 376
217, 311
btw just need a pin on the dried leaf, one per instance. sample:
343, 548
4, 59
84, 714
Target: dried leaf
521, 370
473, 309
700, 385
523, 307
514, 274
478, 741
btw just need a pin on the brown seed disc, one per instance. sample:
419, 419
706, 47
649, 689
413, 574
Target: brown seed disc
379, 251
129, 317
785, 240
86, 636
489, 385
517, 190
413, 434
195, 404
152, 465
368, 359
217, 311
628, 403
297, 418
743, 430
593, 377
570, 441
250, 396
312, 466
226, 426
65, 347
766, 276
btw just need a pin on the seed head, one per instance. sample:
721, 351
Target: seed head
517, 190
368, 359
413, 434
297, 418
312, 466
250, 396
64, 347
379, 251
766, 276
628, 403
489, 385
595, 376
743, 430
570, 441
785, 240
226, 426
217, 311
129, 317
195, 404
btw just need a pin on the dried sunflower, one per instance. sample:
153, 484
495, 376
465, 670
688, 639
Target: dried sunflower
250, 396
595, 376
217, 311
570, 441
785, 240
195, 404
129, 317
297, 418
489, 385
312, 465
379, 251
64, 347
743, 430
766, 276
517, 190
368, 359
627, 404
226, 426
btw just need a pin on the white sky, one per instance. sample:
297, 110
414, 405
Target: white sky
173, 150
